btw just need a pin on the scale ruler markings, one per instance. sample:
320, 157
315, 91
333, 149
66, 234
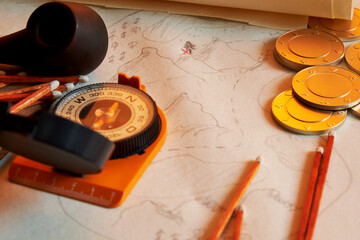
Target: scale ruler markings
62, 185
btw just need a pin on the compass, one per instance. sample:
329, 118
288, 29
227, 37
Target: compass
78, 137
125, 115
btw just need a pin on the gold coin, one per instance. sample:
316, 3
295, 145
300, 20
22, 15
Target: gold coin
356, 110
352, 57
327, 87
308, 47
291, 114
346, 30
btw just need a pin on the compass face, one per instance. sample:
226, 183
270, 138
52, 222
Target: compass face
105, 115
116, 111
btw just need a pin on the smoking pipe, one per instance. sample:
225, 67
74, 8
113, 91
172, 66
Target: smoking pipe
60, 38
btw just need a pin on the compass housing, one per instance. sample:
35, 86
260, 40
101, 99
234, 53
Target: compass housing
124, 114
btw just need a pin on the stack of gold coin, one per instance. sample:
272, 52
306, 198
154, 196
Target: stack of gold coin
318, 100
297, 117
321, 92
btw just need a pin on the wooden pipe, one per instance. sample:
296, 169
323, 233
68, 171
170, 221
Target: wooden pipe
60, 38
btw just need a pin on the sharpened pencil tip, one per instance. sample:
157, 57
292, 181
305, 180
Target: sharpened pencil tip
332, 133
260, 159
240, 208
320, 149
83, 79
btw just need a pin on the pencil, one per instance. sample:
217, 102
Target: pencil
319, 186
29, 100
310, 193
235, 201
238, 222
42, 79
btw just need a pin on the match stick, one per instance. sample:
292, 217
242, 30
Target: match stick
19, 94
29, 100
310, 193
4, 84
42, 79
65, 87
61, 88
23, 90
238, 222
21, 74
235, 201
320, 184
53, 95
3, 153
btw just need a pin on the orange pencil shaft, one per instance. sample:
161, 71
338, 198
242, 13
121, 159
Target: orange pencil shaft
310, 193
319, 187
235, 201
38, 79
238, 224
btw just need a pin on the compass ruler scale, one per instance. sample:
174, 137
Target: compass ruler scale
121, 112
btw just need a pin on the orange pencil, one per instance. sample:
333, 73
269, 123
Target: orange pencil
42, 79
29, 100
310, 193
235, 201
238, 222
319, 187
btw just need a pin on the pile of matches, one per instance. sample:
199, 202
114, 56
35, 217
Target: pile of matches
33, 91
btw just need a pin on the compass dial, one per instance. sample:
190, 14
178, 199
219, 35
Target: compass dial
125, 115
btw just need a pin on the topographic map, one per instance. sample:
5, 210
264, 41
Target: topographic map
215, 81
